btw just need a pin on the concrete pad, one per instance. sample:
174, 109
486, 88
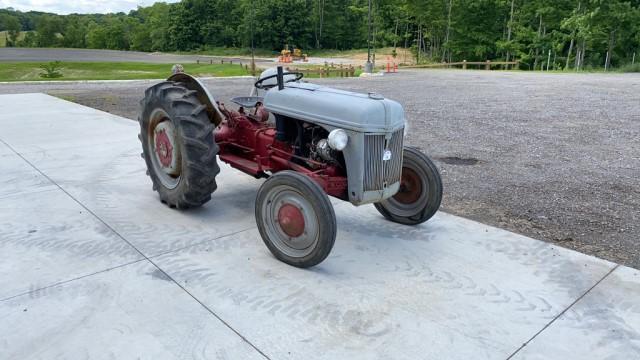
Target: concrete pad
46, 237
128, 313
133, 209
90, 164
33, 123
605, 324
450, 288
18, 177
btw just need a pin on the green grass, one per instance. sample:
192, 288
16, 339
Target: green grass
30, 71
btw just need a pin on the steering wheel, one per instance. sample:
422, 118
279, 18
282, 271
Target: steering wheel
259, 84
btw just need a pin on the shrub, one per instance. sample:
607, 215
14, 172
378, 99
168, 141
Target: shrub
51, 70
631, 68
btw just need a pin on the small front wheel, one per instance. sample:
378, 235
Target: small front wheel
420, 191
295, 219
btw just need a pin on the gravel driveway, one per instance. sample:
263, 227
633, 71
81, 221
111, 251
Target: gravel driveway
552, 156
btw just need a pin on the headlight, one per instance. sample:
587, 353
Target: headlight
338, 139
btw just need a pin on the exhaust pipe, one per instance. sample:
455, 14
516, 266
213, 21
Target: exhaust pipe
280, 77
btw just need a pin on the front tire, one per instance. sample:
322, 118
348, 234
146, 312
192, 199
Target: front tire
420, 191
178, 145
296, 219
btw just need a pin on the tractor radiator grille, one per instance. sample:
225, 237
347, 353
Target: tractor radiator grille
377, 172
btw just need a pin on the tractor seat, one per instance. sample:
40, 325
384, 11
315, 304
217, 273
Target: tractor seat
248, 101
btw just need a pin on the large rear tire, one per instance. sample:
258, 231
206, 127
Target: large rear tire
295, 219
420, 191
178, 145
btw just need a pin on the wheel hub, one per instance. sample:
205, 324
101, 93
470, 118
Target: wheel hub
164, 148
291, 220
410, 187
166, 152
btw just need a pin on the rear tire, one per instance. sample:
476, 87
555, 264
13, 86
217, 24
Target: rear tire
178, 145
295, 219
420, 191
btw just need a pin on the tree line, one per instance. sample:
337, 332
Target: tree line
538, 33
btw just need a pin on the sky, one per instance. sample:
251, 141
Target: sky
78, 6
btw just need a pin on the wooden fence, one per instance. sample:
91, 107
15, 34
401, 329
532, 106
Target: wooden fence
327, 71
246, 66
464, 64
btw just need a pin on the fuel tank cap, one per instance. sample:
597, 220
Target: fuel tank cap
376, 96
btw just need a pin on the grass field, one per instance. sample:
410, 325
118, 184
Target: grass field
30, 71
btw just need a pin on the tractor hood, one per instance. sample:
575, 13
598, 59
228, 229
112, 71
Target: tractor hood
335, 108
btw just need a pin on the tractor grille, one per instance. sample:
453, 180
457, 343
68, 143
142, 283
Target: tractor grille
377, 172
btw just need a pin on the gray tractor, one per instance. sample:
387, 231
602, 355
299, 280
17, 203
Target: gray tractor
309, 141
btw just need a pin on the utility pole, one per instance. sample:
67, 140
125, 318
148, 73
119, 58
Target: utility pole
368, 68
446, 39
395, 38
406, 38
573, 38
509, 32
253, 49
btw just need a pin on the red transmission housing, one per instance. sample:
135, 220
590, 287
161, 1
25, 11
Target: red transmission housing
248, 143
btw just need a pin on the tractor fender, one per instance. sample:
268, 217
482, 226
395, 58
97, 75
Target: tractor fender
203, 95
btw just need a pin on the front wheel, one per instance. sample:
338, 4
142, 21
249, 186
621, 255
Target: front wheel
295, 219
420, 191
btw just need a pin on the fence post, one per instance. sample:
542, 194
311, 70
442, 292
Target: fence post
464, 64
488, 65
633, 61
198, 61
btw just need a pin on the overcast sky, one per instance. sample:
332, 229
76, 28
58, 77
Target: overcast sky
77, 6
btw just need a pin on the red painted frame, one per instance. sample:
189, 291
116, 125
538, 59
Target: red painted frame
248, 143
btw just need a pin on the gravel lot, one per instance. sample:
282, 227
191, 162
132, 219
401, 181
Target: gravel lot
552, 156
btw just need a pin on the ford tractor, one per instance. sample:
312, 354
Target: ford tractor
308, 141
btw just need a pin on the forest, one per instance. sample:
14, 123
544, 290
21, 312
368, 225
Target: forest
573, 34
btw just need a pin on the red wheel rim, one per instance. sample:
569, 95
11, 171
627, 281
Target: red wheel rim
291, 220
410, 187
164, 149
